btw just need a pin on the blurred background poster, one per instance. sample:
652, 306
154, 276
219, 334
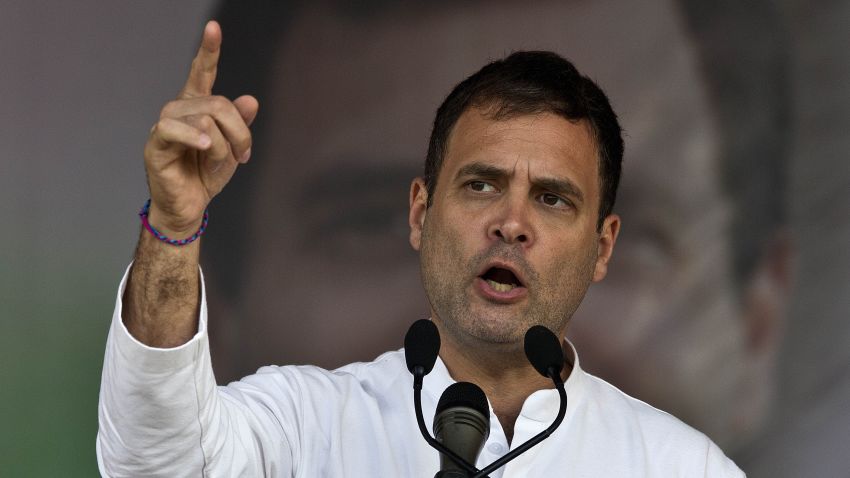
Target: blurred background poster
727, 299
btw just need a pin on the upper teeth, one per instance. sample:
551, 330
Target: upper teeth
498, 286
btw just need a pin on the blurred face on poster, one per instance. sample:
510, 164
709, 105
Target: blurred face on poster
331, 277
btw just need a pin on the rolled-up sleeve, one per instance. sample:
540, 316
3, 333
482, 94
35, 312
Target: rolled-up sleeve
160, 412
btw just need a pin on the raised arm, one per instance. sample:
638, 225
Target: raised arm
160, 412
191, 154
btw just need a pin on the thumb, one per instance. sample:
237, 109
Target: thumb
247, 106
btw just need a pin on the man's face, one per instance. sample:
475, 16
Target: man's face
510, 239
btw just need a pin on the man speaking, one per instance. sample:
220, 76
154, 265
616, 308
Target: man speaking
512, 220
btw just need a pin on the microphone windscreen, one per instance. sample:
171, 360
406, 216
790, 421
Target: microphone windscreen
543, 350
421, 345
464, 394
462, 425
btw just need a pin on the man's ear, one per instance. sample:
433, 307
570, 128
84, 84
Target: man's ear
765, 296
418, 210
605, 246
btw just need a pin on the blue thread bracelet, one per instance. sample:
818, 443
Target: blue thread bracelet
143, 214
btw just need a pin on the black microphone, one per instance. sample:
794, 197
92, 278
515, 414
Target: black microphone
462, 424
544, 352
421, 347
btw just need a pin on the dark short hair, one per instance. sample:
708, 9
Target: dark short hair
532, 82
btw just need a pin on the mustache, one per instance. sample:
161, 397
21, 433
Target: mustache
508, 253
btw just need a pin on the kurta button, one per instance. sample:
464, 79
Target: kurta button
496, 448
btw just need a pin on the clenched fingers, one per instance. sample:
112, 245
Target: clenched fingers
168, 132
196, 132
227, 116
219, 153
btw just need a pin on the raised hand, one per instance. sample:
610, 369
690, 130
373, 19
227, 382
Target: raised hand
195, 147
191, 154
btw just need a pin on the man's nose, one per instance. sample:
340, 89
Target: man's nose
512, 223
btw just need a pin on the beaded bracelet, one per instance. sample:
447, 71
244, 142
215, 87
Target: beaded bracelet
143, 214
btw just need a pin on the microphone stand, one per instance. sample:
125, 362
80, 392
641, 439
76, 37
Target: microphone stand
555, 375
536, 336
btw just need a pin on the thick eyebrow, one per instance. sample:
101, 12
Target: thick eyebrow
560, 186
482, 170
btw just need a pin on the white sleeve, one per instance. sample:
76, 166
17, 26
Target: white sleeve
718, 465
160, 413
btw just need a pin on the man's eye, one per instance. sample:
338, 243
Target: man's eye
550, 199
481, 186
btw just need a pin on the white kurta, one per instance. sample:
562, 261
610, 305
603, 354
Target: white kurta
161, 414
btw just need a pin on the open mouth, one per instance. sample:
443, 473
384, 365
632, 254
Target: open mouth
501, 279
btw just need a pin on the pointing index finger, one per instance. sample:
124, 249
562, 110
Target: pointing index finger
205, 64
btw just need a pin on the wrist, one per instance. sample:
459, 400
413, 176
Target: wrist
167, 230
168, 226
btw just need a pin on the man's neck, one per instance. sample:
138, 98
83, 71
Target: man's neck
507, 379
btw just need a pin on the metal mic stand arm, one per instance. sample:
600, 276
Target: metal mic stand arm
418, 375
562, 410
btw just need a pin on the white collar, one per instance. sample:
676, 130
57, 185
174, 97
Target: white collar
540, 406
